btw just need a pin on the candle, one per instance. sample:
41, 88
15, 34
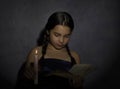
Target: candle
36, 67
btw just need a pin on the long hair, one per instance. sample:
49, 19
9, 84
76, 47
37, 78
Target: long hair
57, 18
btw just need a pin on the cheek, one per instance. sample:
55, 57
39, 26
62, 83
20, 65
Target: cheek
53, 39
66, 41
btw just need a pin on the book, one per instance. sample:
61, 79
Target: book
81, 69
78, 69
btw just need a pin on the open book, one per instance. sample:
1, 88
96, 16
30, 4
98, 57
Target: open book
81, 69
78, 69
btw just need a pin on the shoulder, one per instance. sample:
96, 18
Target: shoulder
76, 56
30, 56
38, 48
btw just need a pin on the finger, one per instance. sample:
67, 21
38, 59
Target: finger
28, 75
76, 82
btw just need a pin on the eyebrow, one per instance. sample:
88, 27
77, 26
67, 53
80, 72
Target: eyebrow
60, 34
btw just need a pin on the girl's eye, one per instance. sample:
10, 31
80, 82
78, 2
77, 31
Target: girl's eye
57, 35
67, 36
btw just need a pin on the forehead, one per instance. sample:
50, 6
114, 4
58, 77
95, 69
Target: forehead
61, 29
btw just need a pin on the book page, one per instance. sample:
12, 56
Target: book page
81, 69
78, 69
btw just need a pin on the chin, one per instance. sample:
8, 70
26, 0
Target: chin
59, 48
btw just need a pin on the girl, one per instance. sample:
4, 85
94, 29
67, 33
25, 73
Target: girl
53, 55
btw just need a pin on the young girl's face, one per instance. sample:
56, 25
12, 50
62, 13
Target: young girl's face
59, 36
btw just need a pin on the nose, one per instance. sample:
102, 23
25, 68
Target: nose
61, 39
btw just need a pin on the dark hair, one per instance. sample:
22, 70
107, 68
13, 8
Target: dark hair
57, 18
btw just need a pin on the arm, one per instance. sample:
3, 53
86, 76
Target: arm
26, 72
76, 56
76, 81
29, 69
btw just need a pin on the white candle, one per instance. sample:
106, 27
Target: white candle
36, 67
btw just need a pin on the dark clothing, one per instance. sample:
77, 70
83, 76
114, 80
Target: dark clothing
47, 66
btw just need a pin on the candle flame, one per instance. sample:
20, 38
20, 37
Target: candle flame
36, 51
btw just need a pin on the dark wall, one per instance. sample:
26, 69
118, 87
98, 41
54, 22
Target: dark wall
95, 36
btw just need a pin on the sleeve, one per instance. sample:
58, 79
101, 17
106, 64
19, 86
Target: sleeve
22, 82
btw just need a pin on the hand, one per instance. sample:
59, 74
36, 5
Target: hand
61, 73
29, 72
76, 81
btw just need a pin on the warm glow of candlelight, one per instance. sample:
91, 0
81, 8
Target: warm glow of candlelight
36, 51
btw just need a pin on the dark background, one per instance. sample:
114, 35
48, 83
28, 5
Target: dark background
95, 36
